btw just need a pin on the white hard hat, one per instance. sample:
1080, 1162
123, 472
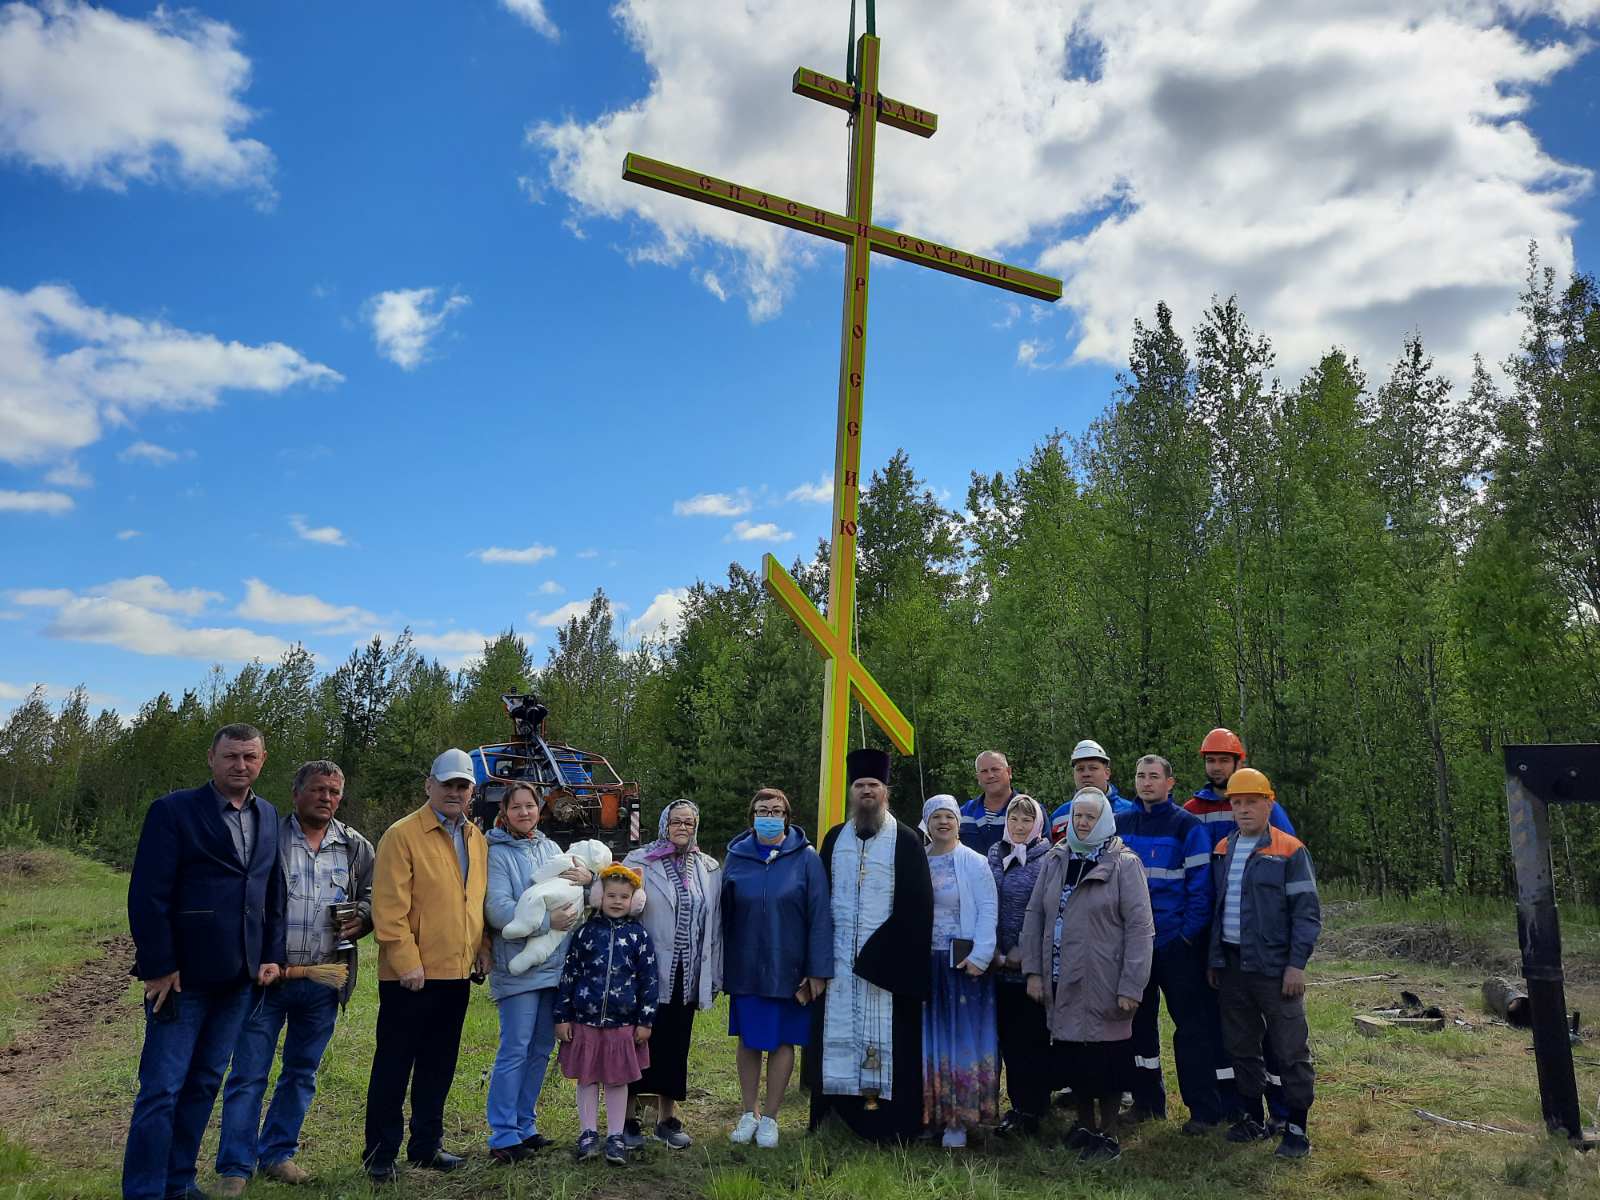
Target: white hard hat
1090, 749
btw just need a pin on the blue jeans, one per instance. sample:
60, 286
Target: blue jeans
180, 1069
310, 1010
527, 1035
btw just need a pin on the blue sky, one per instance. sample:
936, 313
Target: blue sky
304, 310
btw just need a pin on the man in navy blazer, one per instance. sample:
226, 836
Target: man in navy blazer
206, 910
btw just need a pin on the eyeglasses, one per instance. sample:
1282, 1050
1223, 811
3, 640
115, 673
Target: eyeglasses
682, 824
771, 812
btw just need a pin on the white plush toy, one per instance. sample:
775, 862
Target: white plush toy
548, 892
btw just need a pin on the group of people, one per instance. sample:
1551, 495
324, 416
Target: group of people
912, 963
1210, 904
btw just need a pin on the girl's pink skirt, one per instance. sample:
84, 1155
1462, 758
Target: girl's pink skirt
605, 1056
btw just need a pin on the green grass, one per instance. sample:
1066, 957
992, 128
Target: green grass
1368, 1142
54, 910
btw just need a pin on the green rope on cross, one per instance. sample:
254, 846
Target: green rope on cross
850, 48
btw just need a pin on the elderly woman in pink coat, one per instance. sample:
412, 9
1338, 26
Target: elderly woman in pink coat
1087, 943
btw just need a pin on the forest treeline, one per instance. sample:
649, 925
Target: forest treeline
1376, 580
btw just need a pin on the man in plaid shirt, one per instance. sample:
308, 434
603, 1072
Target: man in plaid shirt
324, 862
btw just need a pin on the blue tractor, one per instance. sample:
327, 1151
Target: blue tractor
580, 795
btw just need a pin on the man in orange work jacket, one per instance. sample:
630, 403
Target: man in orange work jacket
427, 914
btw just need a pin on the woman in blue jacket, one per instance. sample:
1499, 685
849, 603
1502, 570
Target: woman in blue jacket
777, 930
526, 1002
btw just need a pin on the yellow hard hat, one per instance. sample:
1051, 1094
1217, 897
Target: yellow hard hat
1247, 781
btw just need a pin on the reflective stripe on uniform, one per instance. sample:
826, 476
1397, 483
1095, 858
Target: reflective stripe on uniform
1225, 1073
1147, 1064
1304, 885
1196, 860
1164, 872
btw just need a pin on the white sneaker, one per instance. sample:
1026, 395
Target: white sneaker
744, 1130
955, 1139
767, 1133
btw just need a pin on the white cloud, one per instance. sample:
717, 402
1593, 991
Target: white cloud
590, 553
820, 492
129, 627
713, 504
663, 616
69, 474
127, 535
1351, 171
103, 99
263, 603
454, 648
766, 531
560, 616
405, 321
709, 281
532, 12
53, 503
1028, 352
550, 588
133, 614
42, 597
326, 535
522, 557
149, 452
67, 370
154, 592
145, 591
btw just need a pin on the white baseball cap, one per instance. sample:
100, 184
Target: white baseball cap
1090, 749
453, 764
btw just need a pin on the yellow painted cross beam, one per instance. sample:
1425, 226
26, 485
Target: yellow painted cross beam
845, 675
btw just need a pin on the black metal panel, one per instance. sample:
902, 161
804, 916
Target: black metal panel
1558, 773
1536, 777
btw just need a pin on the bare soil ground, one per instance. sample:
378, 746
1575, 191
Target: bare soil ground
70, 1017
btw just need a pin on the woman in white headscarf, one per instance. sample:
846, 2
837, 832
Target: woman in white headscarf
683, 916
1015, 861
960, 1071
1087, 944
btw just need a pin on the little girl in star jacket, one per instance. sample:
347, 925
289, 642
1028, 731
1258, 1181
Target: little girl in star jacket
605, 1007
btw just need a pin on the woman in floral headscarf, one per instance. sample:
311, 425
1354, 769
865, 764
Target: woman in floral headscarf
1087, 944
1024, 1041
684, 919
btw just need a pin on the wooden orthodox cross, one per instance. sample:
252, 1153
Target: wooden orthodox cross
845, 673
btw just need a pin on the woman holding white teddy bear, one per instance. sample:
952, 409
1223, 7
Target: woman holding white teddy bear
526, 1002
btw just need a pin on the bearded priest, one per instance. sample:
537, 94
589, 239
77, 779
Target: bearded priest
865, 1062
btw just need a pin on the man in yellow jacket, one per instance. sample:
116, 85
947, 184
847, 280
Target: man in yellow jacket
427, 915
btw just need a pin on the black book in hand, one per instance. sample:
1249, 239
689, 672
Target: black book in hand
960, 951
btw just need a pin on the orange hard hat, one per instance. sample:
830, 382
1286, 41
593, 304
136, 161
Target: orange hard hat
1223, 741
1247, 781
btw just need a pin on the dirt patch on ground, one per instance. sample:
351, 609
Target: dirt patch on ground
1435, 945
1440, 945
35, 866
70, 1015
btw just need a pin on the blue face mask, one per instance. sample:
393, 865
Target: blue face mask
769, 829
